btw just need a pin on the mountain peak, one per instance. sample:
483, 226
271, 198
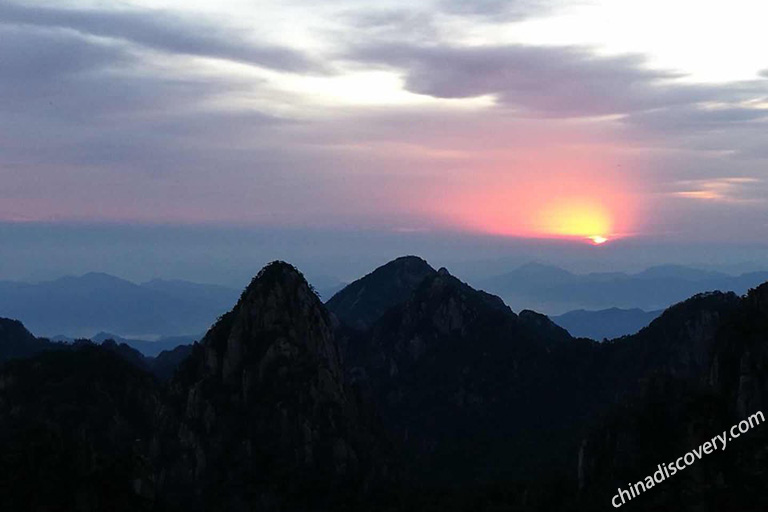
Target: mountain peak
443, 288
92, 279
679, 272
272, 367
278, 274
364, 301
277, 309
11, 325
16, 341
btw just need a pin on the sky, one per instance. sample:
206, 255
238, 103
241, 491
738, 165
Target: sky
344, 131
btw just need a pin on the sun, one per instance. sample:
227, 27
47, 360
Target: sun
597, 239
577, 219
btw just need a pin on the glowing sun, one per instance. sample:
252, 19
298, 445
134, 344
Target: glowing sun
578, 219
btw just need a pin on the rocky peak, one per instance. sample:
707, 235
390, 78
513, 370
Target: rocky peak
442, 306
266, 396
364, 301
542, 326
278, 316
680, 342
13, 329
17, 342
758, 298
453, 304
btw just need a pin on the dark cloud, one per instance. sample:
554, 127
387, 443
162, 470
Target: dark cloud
70, 100
40, 67
162, 31
693, 119
556, 81
559, 81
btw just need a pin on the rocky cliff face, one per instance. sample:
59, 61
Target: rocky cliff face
739, 367
265, 403
704, 371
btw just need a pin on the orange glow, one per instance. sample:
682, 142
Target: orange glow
577, 219
570, 198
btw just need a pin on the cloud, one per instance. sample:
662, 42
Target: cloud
503, 10
105, 116
388, 24
729, 190
567, 81
695, 118
164, 31
68, 100
556, 81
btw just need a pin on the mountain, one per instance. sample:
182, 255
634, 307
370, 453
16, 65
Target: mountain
76, 429
264, 400
605, 323
557, 291
82, 306
362, 302
164, 365
693, 394
447, 401
467, 386
148, 348
16, 342
258, 416
679, 272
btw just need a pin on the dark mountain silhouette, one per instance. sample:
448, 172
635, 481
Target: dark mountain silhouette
164, 365
268, 376
555, 290
82, 306
16, 342
605, 323
76, 429
451, 371
710, 377
363, 302
148, 348
447, 401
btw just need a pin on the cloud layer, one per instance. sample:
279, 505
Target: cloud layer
147, 115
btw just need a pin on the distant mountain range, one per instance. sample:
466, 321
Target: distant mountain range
146, 347
556, 291
83, 306
605, 323
16, 342
100, 306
